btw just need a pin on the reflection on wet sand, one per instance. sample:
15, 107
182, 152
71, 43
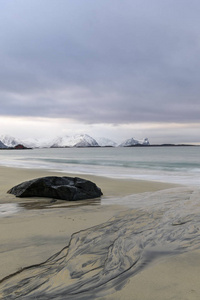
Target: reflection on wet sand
99, 260
54, 203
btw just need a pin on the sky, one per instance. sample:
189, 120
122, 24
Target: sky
111, 68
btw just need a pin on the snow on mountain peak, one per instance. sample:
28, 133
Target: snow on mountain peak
78, 140
37, 143
132, 142
2, 145
9, 141
104, 142
129, 142
145, 141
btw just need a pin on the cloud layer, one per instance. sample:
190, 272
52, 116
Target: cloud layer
101, 61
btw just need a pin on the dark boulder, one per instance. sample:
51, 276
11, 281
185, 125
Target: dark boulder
64, 188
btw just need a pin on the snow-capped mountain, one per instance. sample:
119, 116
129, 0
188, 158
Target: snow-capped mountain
37, 143
2, 145
145, 141
79, 140
9, 141
132, 142
104, 142
31, 143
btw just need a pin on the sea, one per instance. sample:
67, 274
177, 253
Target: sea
171, 164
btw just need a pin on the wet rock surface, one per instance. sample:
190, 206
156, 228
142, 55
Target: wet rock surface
64, 188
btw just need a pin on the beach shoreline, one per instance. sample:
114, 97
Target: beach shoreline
34, 214
41, 228
111, 187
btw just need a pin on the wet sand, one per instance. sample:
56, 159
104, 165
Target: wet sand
175, 277
110, 187
41, 228
37, 232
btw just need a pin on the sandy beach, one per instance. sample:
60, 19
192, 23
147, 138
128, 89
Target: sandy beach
39, 229
176, 277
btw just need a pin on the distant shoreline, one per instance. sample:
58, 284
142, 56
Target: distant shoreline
164, 145
132, 146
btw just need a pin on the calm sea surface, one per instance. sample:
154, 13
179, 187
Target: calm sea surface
165, 164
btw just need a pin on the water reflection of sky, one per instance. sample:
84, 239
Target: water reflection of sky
8, 209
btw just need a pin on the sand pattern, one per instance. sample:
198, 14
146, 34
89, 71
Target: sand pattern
99, 260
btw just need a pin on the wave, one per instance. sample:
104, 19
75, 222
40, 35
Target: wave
146, 164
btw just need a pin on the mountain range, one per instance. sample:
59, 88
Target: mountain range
78, 140
133, 142
2, 145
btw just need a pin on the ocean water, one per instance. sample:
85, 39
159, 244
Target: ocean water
180, 165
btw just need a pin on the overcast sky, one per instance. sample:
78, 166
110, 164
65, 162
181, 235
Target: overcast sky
110, 68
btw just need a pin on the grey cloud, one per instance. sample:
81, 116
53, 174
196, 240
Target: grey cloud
127, 61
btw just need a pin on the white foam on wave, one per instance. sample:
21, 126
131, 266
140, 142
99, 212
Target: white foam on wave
170, 166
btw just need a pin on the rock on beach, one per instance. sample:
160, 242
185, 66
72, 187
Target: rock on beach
64, 188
